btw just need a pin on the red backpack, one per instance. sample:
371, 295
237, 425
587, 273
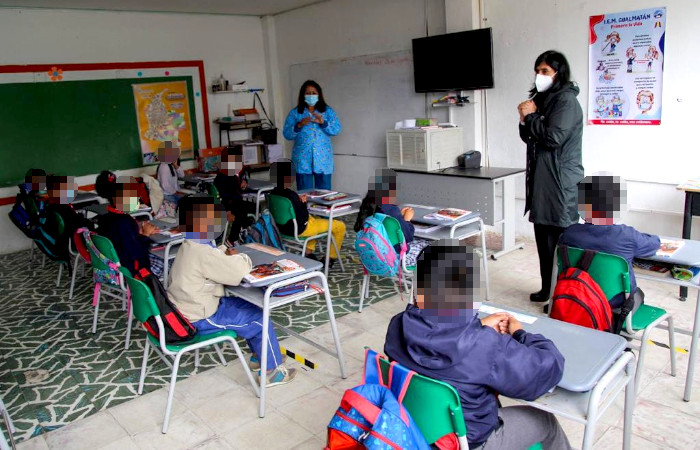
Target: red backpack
177, 327
577, 297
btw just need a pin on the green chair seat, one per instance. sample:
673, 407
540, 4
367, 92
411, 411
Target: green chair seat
199, 337
645, 315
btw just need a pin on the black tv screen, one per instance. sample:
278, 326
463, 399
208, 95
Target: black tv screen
453, 62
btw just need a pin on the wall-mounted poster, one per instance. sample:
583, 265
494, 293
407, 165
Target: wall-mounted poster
163, 113
626, 57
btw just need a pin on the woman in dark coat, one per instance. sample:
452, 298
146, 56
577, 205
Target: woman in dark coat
551, 124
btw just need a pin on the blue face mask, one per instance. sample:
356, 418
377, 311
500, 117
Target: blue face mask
311, 100
198, 238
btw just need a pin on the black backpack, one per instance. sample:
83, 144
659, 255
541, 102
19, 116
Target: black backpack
177, 327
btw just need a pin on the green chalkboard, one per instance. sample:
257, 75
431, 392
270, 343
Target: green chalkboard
73, 127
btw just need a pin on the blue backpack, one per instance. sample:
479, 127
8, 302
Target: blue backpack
371, 415
264, 231
374, 246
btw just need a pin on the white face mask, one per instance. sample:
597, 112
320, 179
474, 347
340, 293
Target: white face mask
543, 82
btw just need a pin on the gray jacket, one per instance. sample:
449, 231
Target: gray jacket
553, 136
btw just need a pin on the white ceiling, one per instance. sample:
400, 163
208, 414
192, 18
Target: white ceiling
238, 7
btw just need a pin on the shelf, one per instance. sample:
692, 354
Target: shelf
447, 105
259, 167
236, 91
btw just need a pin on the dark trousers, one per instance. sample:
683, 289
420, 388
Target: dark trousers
240, 210
547, 237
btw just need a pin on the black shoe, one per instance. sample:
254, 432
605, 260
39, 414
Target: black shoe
312, 256
545, 308
539, 297
331, 262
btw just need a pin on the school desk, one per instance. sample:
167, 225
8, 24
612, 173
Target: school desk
596, 370
692, 208
85, 198
471, 189
256, 190
260, 294
334, 211
100, 209
168, 247
688, 255
462, 228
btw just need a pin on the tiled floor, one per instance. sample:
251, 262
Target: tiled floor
217, 410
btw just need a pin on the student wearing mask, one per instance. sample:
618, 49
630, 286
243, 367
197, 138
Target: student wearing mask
169, 171
231, 182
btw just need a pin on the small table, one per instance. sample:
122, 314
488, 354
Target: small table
462, 228
229, 125
597, 368
332, 213
101, 209
195, 178
688, 255
257, 190
260, 294
171, 245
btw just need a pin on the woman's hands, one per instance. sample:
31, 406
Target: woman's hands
317, 118
525, 108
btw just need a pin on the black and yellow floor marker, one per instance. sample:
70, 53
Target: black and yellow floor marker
298, 358
661, 344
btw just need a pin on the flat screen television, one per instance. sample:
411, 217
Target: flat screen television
453, 62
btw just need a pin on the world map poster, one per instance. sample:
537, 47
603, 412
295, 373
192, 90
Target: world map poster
163, 114
626, 67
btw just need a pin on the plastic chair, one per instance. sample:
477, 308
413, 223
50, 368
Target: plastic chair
435, 407
51, 228
78, 256
144, 307
118, 291
611, 272
282, 212
393, 229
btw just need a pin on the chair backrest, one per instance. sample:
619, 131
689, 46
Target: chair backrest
107, 249
611, 272
281, 209
393, 229
213, 191
142, 302
434, 406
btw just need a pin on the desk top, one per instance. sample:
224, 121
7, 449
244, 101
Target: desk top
258, 185
688, 255
588, 353
258, 257
351, 198
486, 173
420, 211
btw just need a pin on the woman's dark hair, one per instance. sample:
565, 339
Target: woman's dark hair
320, 106
106, 185
383, 181
558, 62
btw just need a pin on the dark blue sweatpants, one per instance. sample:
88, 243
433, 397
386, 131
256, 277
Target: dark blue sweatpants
246, 320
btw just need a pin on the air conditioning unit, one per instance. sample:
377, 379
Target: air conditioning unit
429, 149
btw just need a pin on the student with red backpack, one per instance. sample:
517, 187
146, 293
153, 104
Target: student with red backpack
442, 337
197, 279
600, 199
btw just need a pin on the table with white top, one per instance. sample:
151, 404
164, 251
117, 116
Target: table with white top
688, 255
335, 210
260, 294
596, 370
256, 190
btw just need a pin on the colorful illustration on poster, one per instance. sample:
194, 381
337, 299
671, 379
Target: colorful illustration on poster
163, 114
626, 53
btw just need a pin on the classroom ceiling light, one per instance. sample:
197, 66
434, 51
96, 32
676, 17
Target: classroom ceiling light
229, 7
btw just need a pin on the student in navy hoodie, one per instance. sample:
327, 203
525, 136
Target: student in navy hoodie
442, 337
129, 237
600, 199
231, 182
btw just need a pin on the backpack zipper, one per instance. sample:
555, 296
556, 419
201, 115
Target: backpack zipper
580, 303
576, 278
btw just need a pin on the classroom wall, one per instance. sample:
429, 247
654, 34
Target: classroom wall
347, 28
232, 45
654, 159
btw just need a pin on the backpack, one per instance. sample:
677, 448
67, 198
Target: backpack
142, 191
177, 327
47, 237
25, 214
263, 231
374, 246
577, 298
371, 415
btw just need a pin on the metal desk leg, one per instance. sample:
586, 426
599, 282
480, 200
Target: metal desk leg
630, 399
263, 353
508, 199
693, 351
328, 243
687, 228
166, 256
484, 257
334, 328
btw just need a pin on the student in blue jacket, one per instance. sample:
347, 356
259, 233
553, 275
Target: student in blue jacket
442, 337
600, 199
311, 124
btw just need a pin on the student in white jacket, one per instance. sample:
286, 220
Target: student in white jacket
196, 286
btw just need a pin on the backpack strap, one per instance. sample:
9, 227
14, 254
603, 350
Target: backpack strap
564, 252
399, 379
367, 409
586, 260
